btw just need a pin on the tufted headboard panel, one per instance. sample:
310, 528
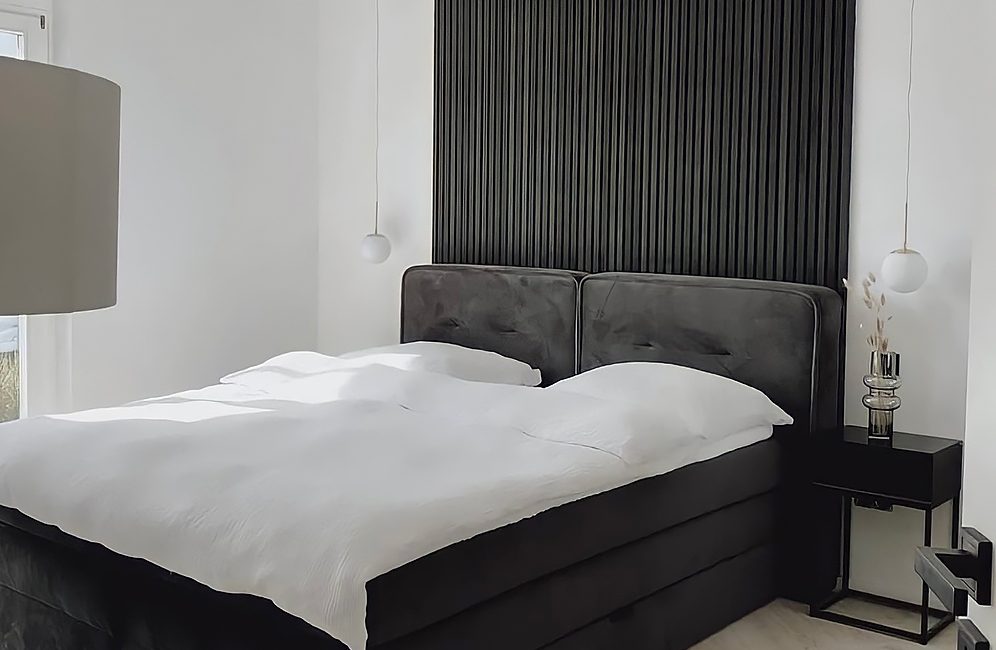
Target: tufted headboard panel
780, 338
526, 314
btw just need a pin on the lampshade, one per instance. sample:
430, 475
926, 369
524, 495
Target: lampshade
904, 270
59, 143
375, 248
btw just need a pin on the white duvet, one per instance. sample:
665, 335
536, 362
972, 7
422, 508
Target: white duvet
301, 488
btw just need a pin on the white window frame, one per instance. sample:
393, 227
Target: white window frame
32, 12
45, 341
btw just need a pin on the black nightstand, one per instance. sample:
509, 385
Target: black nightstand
919, 472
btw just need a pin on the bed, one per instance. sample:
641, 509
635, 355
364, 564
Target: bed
660, 562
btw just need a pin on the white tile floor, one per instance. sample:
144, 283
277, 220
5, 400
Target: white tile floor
783, 625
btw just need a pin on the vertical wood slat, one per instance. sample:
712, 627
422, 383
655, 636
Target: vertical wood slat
697, 136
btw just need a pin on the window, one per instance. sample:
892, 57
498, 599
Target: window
10, 369
22, 36
11, 44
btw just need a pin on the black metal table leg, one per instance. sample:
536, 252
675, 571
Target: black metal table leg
928, 524
845, 544
956, 521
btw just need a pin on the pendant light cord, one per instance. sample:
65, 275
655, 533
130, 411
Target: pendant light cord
377, 120
909, 131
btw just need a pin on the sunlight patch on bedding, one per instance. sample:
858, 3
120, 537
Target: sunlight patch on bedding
196, 411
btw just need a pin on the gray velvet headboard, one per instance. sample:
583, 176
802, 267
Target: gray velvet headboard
526, 314
779, 337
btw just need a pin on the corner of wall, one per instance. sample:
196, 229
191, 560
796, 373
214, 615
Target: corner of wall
359, 303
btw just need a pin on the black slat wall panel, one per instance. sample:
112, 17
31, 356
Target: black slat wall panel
707, 137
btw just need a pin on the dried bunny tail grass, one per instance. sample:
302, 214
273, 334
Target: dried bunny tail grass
875, 303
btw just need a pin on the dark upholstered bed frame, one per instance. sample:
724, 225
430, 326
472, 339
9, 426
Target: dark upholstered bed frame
661, 563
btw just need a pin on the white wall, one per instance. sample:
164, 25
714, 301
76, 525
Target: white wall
980, 437
980, 441
358, 302
930, 328
219, 159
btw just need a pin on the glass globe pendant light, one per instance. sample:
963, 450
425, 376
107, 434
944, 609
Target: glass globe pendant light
375, 247
904, 269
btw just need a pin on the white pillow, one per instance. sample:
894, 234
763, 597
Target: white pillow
285, 368
453, 360
713, 407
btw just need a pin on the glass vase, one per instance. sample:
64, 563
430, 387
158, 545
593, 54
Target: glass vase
882, 381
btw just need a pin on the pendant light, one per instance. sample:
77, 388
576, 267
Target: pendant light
375, 247
905, 270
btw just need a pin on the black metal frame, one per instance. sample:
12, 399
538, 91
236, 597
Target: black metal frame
926, 632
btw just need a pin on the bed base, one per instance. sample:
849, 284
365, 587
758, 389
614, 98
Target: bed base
72, 597
687, 612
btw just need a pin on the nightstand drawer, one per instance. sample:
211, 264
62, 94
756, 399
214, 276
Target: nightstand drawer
921, 469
